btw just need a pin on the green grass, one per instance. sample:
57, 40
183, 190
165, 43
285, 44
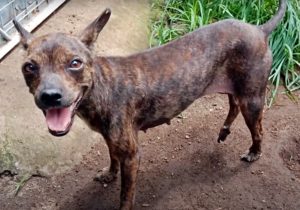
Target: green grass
174, 18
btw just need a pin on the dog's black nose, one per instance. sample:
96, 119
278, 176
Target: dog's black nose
51, 97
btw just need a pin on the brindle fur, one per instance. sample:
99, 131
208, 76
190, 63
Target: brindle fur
123, 95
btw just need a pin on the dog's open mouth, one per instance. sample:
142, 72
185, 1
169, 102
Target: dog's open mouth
60, 120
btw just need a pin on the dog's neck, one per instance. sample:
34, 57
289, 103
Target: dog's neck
99, 104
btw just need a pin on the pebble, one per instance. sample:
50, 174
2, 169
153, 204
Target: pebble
145, 205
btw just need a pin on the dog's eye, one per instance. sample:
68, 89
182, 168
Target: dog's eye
76, 64
30, 67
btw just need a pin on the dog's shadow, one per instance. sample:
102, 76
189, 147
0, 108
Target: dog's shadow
203, 168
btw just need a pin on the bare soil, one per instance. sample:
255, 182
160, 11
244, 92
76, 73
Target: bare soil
183, 167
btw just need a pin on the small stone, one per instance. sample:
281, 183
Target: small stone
145, 205
105, 185
187, 136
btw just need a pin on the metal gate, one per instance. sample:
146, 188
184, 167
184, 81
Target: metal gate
29, 12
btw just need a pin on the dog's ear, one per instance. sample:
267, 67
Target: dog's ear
89, 35
26, 37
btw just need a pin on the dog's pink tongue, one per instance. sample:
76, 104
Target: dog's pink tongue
58, 119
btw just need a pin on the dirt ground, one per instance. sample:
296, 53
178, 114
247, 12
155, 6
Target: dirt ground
183, 167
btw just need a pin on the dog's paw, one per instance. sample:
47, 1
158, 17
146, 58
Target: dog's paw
105, 176
250, 156
224, 132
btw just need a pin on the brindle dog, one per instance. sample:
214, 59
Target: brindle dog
118, 96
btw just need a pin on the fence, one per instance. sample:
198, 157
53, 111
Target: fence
29, 13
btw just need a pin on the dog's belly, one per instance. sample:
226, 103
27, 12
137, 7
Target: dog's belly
154, 123
161, 112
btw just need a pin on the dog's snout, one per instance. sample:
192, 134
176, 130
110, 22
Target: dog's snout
51, 97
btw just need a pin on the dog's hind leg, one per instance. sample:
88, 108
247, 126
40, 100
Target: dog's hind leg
252, 110
232, 114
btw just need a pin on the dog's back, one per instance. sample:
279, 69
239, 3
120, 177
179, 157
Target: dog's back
161, 82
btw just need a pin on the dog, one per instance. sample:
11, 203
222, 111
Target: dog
118, 96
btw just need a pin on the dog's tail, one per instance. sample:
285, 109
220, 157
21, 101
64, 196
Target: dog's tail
269, 26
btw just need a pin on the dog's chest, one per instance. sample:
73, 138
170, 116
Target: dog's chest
89, 115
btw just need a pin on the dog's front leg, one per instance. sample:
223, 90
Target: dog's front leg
109, 174
129, 160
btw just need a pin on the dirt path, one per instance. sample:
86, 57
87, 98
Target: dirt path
183, 167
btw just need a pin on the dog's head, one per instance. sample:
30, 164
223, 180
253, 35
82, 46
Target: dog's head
58, 71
